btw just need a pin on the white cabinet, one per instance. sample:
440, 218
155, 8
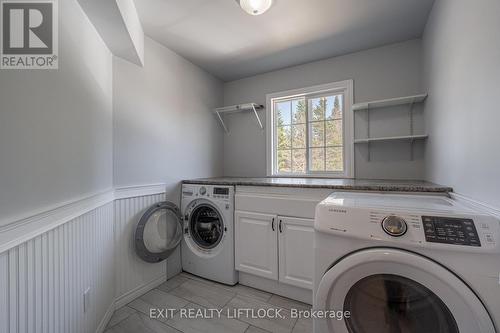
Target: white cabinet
256, 244
296, 253
275, 247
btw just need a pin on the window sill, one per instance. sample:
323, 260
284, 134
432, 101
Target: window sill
310, 176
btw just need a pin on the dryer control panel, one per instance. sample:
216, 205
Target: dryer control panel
221, 192
408, 220
450, 230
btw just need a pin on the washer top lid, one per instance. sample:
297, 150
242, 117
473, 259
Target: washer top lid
396, 202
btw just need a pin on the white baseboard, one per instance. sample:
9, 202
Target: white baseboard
133, 294
127, 298
105, 320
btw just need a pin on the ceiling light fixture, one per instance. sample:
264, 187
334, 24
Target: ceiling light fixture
255, 7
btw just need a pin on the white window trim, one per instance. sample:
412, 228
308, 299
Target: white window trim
342, 86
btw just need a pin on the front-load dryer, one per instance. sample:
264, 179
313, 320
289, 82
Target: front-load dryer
208, 236
405, 263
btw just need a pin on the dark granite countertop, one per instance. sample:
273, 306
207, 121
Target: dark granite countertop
329, 183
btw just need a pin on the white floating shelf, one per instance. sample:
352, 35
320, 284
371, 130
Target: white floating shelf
393, 138
389, 102
238, 108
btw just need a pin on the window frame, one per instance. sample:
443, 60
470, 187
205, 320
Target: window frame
346, 88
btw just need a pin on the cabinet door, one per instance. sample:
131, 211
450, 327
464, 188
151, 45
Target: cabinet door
296, 251
256, 244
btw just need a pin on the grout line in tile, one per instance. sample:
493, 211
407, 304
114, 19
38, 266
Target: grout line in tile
250, 326
294, 324
191, 301
235, 294
135, 311
166, 322
225, 304
221, 286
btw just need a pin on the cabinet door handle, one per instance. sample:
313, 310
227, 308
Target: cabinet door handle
272, 224
281, 230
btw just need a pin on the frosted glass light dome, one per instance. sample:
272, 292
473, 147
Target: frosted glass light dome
255, 7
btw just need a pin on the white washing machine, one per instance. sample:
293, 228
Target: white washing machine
405, 263
208, 240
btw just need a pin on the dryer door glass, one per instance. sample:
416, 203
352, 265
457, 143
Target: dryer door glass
391, 303
206, 226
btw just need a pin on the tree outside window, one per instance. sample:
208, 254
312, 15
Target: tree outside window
309, 134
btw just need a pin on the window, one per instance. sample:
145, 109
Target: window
311, 133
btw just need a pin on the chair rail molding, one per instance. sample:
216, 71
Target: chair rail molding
139, 190
17, 230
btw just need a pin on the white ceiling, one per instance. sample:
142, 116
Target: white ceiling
219, 37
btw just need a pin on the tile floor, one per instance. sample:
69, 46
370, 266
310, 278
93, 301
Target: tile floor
191, 292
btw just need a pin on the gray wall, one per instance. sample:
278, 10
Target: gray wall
384, 72
164, 130
55, 125
462, 74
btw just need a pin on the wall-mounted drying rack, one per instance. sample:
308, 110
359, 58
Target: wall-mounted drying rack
238, 108
385, 103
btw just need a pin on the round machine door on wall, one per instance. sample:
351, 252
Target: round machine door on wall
389, 290
205, 226
158, 232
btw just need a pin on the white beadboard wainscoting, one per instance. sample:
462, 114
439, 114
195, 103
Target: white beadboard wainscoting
133, 276
48, 260
42, 281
